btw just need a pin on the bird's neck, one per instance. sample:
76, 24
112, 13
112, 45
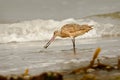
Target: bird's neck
58, 34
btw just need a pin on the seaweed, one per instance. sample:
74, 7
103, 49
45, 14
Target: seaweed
43, 76
92, 66
118, 63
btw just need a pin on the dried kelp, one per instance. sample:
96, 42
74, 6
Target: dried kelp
95, 66
26, 76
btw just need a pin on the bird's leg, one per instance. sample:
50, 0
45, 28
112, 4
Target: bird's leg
73, 41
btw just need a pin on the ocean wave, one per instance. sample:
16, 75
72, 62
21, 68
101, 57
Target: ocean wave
36, 30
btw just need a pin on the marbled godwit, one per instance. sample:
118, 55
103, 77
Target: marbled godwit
72, 31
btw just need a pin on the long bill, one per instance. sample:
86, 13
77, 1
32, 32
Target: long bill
49, 42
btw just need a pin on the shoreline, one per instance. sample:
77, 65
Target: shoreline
96, 74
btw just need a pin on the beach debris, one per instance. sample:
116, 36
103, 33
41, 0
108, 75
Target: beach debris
102, 66
90, 66
3, 77
48, 76
88, 77
25, 76
71, 30
26, 72
94, 66
15, 77
118, 63
94, 57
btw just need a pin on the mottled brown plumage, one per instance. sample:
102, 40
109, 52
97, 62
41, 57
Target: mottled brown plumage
72, 31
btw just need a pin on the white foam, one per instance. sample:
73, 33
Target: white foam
42, 30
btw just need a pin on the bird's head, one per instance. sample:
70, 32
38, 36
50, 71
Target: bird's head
56, 33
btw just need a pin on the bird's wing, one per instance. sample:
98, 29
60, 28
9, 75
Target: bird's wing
71, 28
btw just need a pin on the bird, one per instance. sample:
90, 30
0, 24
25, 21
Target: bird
71, 30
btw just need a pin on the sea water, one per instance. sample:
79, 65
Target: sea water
37, 30
21, 45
